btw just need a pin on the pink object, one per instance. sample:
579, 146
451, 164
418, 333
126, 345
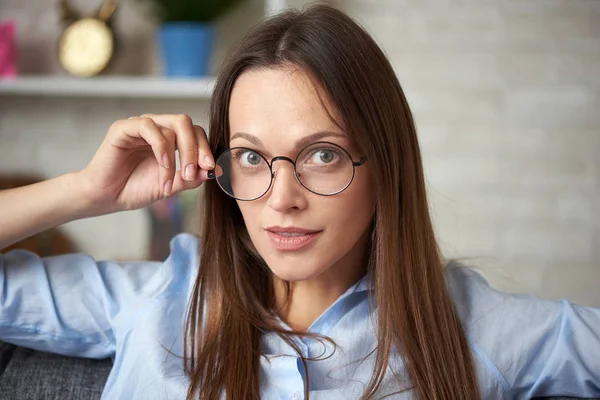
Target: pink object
8, 51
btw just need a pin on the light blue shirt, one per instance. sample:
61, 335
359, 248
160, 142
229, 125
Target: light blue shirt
73, 305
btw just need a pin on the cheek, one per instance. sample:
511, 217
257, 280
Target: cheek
352, 211
250, 213
360, 196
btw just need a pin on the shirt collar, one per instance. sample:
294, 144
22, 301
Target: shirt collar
366, 283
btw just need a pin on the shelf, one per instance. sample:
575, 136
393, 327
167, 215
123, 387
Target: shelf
109, 86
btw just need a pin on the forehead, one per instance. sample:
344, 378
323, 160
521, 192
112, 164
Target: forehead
279, 104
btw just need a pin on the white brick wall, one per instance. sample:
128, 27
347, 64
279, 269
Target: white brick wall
506, 95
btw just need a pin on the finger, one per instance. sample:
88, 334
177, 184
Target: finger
180, 184
205, 156
185, 141
137, 133
168, 174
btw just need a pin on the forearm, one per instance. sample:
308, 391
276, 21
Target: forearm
28, 210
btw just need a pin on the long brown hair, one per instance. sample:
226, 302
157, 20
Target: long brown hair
233, 295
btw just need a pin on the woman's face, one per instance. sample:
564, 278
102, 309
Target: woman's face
300, 235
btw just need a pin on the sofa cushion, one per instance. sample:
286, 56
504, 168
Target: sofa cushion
37, 375
6, 352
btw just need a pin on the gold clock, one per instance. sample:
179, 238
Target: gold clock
87, 44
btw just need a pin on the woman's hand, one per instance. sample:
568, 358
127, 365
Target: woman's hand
135, 164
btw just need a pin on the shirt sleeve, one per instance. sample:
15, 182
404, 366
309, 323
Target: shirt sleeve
76, 306
537, 347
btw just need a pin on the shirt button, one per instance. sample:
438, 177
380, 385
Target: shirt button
296, 396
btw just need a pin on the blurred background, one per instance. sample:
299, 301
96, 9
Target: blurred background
505, 93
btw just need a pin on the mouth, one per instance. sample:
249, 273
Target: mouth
291, 238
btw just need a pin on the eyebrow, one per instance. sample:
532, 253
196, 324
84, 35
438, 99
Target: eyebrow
305, 141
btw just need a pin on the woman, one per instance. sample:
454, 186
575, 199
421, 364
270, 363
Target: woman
319, 271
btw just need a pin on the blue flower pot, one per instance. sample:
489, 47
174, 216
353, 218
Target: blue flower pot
186, 48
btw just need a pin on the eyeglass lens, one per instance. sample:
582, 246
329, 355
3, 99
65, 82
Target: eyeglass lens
322, 168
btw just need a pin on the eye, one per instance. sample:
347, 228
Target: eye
247, 158
251, 158
323, 156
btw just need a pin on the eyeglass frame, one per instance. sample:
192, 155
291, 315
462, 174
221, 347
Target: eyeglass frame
211, 174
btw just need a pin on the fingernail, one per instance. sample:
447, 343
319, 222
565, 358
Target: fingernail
209, 161
168, 187
165, 160
190, 172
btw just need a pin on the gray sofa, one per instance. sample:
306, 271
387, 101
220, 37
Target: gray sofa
33, 375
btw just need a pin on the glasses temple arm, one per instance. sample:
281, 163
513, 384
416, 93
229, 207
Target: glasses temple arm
359, 162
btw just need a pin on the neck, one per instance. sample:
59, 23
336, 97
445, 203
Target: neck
308, 299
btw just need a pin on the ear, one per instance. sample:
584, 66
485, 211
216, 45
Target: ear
67, 14
107, 9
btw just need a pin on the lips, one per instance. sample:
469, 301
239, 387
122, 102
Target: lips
291, 238
289, 229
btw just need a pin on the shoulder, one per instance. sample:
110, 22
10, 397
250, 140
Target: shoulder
183, 261
477, 302
185, 246
523, 339
175, 274
472, 294
505, 326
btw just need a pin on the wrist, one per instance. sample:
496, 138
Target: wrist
81, 197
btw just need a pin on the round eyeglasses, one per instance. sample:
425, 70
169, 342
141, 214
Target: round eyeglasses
323, 168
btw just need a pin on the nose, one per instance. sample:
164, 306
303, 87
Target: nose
286, 193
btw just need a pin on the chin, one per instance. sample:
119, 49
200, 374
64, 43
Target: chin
294, 267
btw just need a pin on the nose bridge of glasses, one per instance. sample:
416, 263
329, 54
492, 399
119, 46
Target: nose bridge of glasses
282, 158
